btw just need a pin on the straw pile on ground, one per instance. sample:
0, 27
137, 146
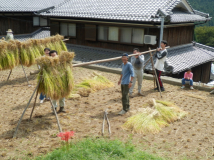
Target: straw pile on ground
152, 120
57, 77
96, 83
11, 52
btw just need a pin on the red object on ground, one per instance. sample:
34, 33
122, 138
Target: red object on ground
66, 135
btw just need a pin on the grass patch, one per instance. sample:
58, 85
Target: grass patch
98, 149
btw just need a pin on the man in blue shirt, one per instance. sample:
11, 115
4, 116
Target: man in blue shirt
126, 79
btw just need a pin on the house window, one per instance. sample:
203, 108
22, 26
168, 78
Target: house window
90, 32
43, 21
72, 30
35, 21
102, 33
113, 33
137, 36
64, 29
40, 21
68, 29
126, 35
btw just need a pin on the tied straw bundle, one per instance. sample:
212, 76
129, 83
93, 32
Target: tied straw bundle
57, 75
152, 120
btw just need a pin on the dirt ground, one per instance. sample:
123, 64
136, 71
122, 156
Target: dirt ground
192, 137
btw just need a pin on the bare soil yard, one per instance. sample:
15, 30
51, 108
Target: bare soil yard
192, 137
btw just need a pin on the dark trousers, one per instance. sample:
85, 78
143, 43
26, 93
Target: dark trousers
159, 78
125, 96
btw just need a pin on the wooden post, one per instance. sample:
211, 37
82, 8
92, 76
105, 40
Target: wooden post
24, 72
152, 62
153, 67
34, 102
60, 129
14, 135
9, 75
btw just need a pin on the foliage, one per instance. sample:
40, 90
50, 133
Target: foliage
204, 6
151, 120
56, 73
99, 149
205, 35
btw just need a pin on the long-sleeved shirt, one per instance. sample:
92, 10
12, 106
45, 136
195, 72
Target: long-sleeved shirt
137, 63
188, 75
161, 58
127, 73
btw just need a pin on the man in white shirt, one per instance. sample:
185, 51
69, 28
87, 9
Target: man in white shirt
159, 65
137, 63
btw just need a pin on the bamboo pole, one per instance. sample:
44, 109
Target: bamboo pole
60, 129
9, 74
34, 102
153, 67
14, 135
152, 62
110, 59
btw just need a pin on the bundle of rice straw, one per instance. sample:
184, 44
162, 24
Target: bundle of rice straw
9, 54
28, 51
148, 121
153, 120
98, 82
57, 77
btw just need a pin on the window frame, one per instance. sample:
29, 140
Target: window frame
67, 36
48, 22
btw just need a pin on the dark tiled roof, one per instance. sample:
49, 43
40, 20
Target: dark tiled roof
127, 10
40, 33
179, 58
26, 5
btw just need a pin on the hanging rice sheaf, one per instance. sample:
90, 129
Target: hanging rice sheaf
57, 77
152, 120
9, 54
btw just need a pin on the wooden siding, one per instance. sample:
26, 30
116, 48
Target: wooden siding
18, 24
175, 36
178, 35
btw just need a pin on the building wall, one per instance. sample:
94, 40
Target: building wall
178, 35
18, 24
175, 36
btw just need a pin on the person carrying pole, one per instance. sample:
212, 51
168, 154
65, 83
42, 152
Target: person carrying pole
159, 64
137, 63
53, 53
126, 79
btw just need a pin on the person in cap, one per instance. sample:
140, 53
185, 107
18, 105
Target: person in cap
137, 63
125, 81
9, 35
161, 55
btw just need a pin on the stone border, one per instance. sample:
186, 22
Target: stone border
165, 79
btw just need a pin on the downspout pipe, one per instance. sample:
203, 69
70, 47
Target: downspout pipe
161, 30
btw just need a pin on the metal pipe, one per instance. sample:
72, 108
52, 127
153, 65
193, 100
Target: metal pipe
161, 30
